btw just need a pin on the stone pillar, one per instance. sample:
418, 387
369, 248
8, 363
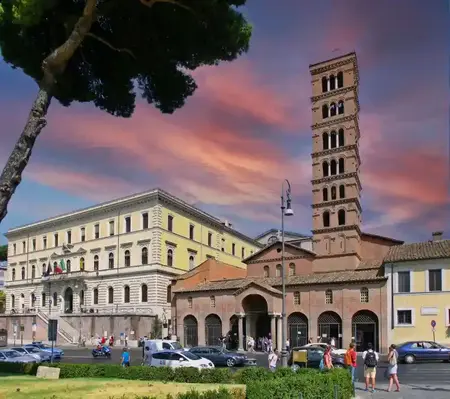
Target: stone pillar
240, 332
273, 328
280, 343
201, 331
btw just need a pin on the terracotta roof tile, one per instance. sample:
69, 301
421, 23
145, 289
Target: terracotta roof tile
419, 251
347, 276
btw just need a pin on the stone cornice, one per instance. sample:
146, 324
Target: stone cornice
337, 229
254, 262
338, 202
334, 93
334, 121
336, 150
316, 69
342, 176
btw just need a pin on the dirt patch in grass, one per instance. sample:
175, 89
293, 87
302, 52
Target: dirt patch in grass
32, 387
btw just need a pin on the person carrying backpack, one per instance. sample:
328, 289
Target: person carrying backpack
370, 358
350, 360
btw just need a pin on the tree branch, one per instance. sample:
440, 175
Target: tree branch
106, 43
151, 3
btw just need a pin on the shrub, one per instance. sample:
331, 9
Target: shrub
221, 393
18, 368
245, 375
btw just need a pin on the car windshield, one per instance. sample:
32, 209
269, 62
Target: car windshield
33, 350
191, 356
176, 346
11, 354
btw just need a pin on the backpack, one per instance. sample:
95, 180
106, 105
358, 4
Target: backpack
348, 358
371, 359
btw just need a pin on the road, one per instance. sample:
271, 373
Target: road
415, 374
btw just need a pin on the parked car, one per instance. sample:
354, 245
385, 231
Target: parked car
417, 351
39, 355
11, 356
180, 359
220, 356
157, 345
315, 355
57, 353
335, 351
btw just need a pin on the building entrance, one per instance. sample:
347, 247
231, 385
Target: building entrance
330, 327
365, 330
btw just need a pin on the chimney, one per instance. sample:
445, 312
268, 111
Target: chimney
437, 235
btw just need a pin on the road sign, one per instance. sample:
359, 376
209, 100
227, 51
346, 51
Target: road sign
433, 323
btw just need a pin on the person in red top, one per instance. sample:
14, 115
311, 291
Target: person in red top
350, 360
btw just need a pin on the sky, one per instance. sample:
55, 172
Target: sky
247, 127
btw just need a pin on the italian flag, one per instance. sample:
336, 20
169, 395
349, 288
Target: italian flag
61, 267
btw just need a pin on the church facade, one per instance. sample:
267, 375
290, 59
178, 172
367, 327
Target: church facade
335, 290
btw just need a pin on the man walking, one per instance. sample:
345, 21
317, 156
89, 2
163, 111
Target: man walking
370, 358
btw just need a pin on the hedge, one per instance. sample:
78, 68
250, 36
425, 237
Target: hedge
221, 393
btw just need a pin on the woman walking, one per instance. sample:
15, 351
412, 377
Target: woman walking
392, 368
328, 363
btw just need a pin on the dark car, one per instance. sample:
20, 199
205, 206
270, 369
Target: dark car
315, 355
220, 356
420, 351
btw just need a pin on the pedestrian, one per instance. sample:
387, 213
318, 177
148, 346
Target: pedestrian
273, 359
392, 368
327, 361
370, 358
125, 360
288, 345
333, 342
350, 360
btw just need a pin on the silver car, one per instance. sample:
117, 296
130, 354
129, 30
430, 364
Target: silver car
39, 355
11, 356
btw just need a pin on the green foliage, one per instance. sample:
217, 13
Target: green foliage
131, 48
157, 328
221, 393
3, 252
18, 368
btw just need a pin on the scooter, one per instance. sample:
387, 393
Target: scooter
103, 352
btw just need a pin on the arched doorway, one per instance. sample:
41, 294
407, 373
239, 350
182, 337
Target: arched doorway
297, 329
257, 320
233, 333
365, 330
213, 329
190, 327
68, 300
329, 327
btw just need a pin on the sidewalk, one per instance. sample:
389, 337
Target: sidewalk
406, 392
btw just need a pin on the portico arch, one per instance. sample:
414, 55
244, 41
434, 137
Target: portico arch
190, 327
365, 330
257, 320
297, 329
330, 327
213, 329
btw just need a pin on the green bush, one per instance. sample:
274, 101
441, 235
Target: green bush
18, 368
221, 393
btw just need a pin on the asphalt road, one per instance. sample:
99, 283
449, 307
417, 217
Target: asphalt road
414, 374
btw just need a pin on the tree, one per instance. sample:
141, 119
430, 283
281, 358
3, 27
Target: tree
107, 51
3, 252
157, 328
2, 301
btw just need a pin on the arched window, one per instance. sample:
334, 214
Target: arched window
81, 263
13, 274
333, 193
341, 191
341, 137
292, 269
341, 217
326, 219
44, 269
324, 84
145, 256
144, 293
68, 266
55, 299
324, 111
212, 301
191, 262
332, 82
266, 271
13, 301
82, 297
364, 295
325, 170
170, 257
126, 294
340, 80
96, 263
127, 258
341, 107
110, 295
95, 296
278, 271
43, 299
328, 297
325, 141
333, 140
33, 271
332, 109
297, 298
190, 302
111, 260
333, 167
325, 194
23, 273
341, 165
33, 300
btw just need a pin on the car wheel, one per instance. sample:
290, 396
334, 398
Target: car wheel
410, 359
231, 362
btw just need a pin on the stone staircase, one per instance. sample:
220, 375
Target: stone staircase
65, 330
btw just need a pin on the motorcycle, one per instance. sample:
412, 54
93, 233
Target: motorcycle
103, 352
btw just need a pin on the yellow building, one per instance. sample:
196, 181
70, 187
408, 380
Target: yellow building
419, 291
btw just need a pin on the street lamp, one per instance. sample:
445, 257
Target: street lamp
286, 210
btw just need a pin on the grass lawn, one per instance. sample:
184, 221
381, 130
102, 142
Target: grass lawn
32, 387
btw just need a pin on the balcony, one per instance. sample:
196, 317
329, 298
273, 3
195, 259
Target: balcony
66, 276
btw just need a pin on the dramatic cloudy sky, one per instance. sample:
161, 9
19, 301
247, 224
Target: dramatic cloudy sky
248, 125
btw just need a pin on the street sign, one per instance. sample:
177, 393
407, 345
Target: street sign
433, 323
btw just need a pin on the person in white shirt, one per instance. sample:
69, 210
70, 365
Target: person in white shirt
273, 359
370, 358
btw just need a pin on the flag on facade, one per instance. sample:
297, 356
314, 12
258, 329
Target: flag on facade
46, 273
61, 267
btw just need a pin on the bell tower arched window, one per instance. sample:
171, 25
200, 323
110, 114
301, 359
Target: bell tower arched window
333, 192
326, 219
340, 80
341, 165
333, 140
325, 169
341, 107
325, 194
332, 109
324, 84
341, 139
341, 191
333, 167
324, 111
332, 82
325, 141
341, 217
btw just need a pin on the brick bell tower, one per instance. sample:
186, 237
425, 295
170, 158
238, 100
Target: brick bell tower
336, 185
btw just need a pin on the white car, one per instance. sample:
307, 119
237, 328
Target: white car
157, 345
339, 352
180, 359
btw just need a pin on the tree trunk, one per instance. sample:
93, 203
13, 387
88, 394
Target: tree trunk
53, 66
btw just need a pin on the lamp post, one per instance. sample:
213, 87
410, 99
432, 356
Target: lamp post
286, 210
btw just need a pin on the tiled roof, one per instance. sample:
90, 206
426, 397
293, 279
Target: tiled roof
370, 264
347, 276
419, 251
